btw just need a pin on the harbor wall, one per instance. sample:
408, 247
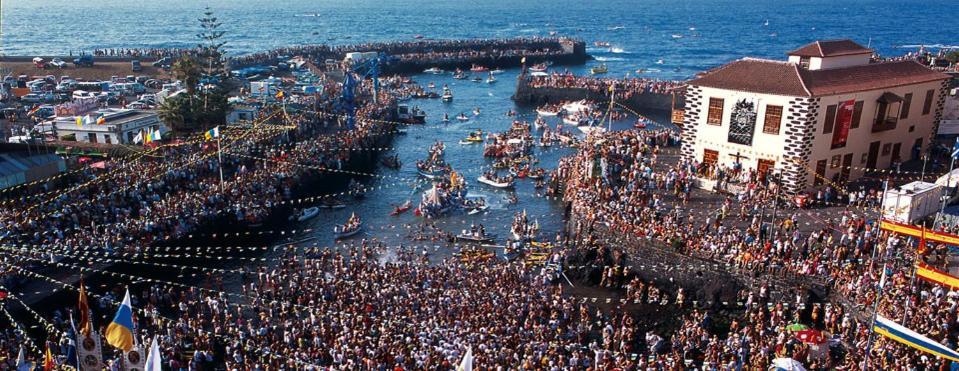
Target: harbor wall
526, 95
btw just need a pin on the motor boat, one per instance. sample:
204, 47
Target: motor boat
478, 236
473, 137
460, 75
601, 44
306, 214
546, 112
462, 117
601, 69
434, 70
496, 71
477, 79
476, 111
447, 94
541, 67
491, 79
478, 68
496, 183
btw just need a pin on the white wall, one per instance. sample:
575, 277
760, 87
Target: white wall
860, 138
840, 61
764, 146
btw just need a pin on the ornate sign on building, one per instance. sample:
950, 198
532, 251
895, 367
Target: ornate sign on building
742, 123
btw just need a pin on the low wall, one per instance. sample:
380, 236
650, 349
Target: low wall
526, 95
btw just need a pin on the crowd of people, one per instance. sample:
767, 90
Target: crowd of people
625, 88
618, 186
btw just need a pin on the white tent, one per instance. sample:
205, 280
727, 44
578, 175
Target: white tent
787, 364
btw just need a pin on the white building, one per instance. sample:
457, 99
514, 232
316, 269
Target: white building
121, 126
823, 116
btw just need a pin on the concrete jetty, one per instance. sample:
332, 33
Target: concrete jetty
640, 101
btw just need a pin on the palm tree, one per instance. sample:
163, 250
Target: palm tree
174, 111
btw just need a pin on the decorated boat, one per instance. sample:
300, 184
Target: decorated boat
352, 226
496, 182
478, 68
402, 208
307, 213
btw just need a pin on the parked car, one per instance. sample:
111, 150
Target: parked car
84, 60
165, 62
139, 105
135, 65
32, 98
58, 63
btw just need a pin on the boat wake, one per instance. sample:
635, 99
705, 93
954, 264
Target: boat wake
618, 51
609, 59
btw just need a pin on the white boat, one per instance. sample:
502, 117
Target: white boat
568, 120
339, 232
483, 179
491, 79
434, 70
447, 96
544, 112
307, 213
677, 36
660, 61
539, 124
477, 210
462, 117
591, 129
476, 238
496, 71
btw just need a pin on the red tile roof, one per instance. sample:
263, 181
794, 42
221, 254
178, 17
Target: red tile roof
872, 76
830, 48
783, 78
755, 75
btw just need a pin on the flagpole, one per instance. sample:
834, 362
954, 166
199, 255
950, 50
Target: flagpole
219, 160
952, 163
875, 304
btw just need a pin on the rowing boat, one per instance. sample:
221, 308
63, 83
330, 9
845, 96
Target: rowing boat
490, 182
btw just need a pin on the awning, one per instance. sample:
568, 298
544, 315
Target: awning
888, 97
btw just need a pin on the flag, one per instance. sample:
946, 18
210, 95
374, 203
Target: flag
79, 122
467, 363
146, 138
72, 357
120, 332
155, 136
139, 137
885, 273
87, 120
928, 273
48, 364
280, 94
101, 120
897, 332
22, 364
34, 110
955, 149
83, 307
154, 360
212, 133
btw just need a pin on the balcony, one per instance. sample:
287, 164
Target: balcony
883, 124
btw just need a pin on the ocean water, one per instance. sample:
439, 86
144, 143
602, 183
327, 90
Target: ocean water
686, 36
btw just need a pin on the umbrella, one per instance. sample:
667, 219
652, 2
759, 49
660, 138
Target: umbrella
796, 327
787, 364
811, 336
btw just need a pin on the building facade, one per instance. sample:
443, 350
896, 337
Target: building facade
824, 116
120, 126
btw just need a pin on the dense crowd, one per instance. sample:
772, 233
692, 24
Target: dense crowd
625, 88
618, 186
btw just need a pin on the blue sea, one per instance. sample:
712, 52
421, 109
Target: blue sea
686, 36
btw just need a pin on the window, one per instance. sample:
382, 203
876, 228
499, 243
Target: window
887, 114
927, 104
820, 172
834, 162
804, 63
906, 104
107, 139
771, 122
886, 149
830, 119
856, 114
715, 115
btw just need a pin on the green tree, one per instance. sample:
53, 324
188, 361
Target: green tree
953, 56
175, 111
185, 70
210, 49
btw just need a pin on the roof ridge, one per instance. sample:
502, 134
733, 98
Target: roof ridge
802, 81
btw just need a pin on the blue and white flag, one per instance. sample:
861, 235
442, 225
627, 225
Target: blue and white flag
901, 334
955, 149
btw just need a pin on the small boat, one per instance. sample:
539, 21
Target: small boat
493, 183
352, 226
434, 70
496, 71
477, 79
476, 111
601, 44
477, 210
478, 68
599, 69
431, 85
460, 75
491, 79
677, 36
417, 36
640, 124
545, 112
402, 208
306, 214
541, 67
447, 95
766, 23
462, 117
466, 236
660, 61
